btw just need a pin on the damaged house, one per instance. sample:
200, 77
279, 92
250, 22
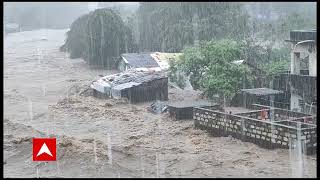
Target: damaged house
135, 85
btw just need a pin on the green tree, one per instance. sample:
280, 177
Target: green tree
279, 29
176, 74
293, 21
172, 26
212, 70
99, 37
276, 66
76, 42
194, 63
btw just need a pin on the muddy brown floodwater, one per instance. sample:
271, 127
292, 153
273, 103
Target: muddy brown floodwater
47, 94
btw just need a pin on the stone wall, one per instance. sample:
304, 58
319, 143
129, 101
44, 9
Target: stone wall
309, 139
263, 133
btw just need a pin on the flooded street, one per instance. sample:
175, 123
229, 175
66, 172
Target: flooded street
47, 94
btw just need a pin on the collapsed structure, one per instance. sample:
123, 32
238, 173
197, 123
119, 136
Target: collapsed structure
135, 85
184, 109
142, 78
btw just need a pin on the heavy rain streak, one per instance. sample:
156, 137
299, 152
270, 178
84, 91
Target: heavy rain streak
160, 89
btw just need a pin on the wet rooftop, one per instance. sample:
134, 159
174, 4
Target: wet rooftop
133, 76
139, 60
302, 35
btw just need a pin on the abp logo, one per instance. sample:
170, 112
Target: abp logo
44, 149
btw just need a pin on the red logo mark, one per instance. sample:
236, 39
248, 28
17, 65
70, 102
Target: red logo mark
44, 149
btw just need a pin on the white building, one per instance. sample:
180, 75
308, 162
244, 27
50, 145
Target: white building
303, 69
303, 53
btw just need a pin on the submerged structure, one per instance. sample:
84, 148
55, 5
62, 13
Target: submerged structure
135, 85
265, 126
184, 109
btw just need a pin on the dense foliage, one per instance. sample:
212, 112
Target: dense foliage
279, 62
278, 30
277, 66
171, 26
212, 70
176, 74
99, 37
175, 26
260, 54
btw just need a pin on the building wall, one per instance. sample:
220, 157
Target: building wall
313, 63
297, 53
300, 87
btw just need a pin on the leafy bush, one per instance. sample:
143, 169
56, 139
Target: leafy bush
276, 67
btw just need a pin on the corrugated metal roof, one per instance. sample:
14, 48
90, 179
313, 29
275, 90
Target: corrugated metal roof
300, 35
135, 76
128, 79
138, 60
262, 91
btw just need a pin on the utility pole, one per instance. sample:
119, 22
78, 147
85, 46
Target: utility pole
271, 103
